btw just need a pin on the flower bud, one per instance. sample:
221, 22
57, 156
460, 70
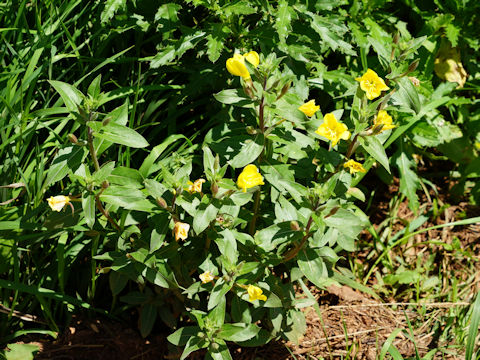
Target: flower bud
414, 80
215, 346
161, 202
105, 184
214, 189
106, 121
284, 89
251, 130
396, 38
294, 226
216, 164
413, 65
73, 139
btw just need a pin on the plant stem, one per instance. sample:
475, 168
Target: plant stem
105, 213
93, 154
292, 253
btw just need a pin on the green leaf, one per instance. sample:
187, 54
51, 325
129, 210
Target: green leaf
409, 180
111, 7
68, 159
283, 20
227, 244
218, 293
88, 205
118, 134
193, 344
216, 317
181, 336
105, 170
20, 351
312, 264
214, 46
250, 151
134, 298
232, 96
271, 237
157, 151
117, 282
127, 198
206, 213
407, 95
71, 96
94, 87
238, 332
148, 315
374, 147
126, 177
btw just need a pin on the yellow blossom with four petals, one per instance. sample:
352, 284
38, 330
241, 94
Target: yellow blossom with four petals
57, 203
249, 177
195, 186
354, 166
372, 84
384, 119
236, 64
181, 230
309, 108
206, 277
255, 293
333, 130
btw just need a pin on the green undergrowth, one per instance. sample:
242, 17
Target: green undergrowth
145, 83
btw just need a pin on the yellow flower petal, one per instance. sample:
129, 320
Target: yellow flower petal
309, 108
255, 293
57, 203
181, 230
333, 130
206, 277
372, 84
249, 177
253, 58
384, 119
354, 166
236, 66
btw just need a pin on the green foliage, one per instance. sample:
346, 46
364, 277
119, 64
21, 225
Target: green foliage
121, 106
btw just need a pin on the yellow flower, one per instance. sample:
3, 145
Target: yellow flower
195, 186
181, 230
206, 277
354, 166
58, 202
309, 108
333, 130
249, 177
384, 119
255, 293
372, 84
253, 58
236, 66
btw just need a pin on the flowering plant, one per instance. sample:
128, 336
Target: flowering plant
222, 244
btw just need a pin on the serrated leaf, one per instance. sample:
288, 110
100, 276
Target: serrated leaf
111, 7
283, 20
